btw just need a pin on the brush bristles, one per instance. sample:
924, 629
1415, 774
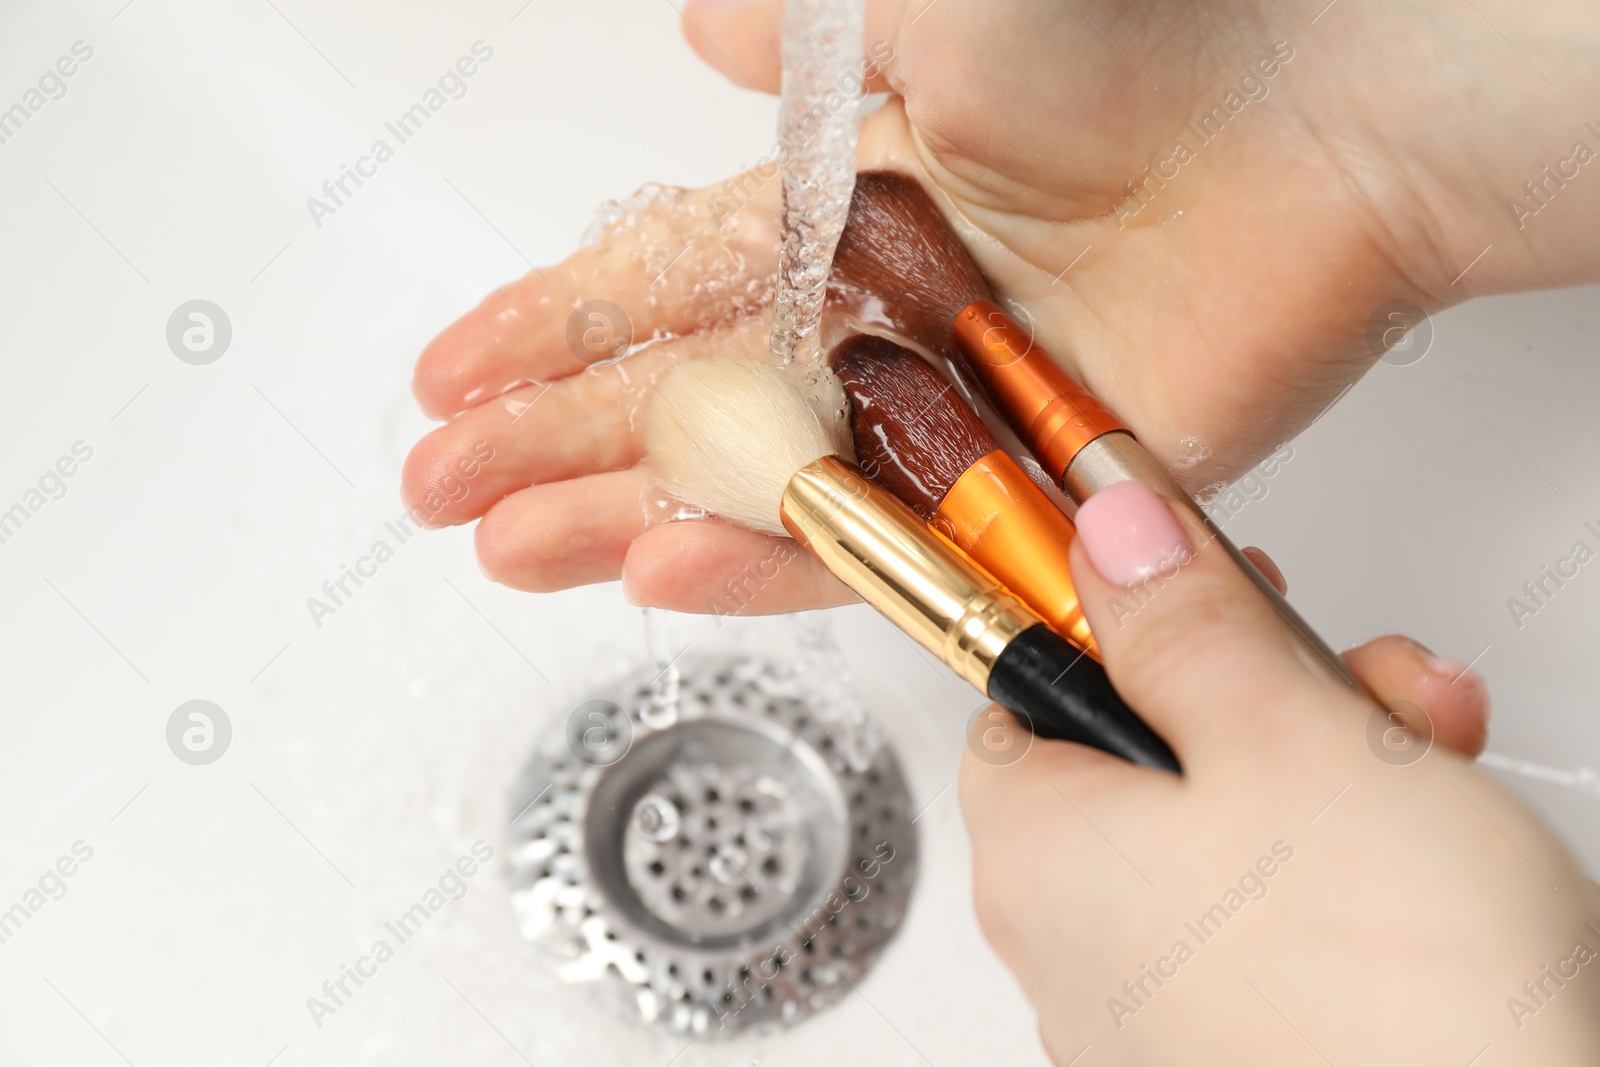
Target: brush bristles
897, 246
727, 434
914, 435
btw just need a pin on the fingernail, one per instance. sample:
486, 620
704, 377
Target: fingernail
1452, 671
1131, 534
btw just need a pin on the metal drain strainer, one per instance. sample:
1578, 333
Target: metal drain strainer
730, 864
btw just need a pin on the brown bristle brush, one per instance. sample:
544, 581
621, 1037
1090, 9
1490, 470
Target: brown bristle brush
739, 439
898, 248
916, 437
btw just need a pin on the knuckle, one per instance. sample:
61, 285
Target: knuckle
1184, 623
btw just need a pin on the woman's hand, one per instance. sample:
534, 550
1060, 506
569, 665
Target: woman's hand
1366, 158
1314, 889
1201, 205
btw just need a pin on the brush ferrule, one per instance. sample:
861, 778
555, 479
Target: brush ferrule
1117, 457
1054, 415
911, 574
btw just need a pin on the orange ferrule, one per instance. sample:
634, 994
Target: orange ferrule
1054, 415
1002, 520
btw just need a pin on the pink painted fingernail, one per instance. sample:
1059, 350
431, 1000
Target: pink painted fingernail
1131, 534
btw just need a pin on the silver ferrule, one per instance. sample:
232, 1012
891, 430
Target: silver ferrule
1117, 457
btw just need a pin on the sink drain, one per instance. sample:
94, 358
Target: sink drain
731, 866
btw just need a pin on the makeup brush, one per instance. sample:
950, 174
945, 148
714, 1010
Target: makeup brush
915, 437
739, 439
897, 247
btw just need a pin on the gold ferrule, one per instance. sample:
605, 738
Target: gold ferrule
911, 574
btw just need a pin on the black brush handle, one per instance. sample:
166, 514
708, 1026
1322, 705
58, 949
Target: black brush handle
1063, 694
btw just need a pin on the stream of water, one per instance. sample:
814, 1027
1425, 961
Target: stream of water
819, 120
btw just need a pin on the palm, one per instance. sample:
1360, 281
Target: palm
1220, 305
1218, 313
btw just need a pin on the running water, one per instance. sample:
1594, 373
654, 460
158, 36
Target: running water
819, 120
832, 691
661, 710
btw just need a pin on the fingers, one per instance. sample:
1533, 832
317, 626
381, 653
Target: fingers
710, 567
609, 526
569, 533
680, 262
1188, 641
743, 41
540, 433
1452, 698
582, 424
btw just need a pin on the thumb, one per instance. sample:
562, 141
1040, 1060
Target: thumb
1186, 638
742, 39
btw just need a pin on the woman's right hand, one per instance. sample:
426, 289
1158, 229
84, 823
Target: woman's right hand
1217, 314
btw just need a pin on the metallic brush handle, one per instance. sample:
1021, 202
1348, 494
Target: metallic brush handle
1118, 457
1085, 447
955, 609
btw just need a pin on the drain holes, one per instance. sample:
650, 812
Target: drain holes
720, 834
